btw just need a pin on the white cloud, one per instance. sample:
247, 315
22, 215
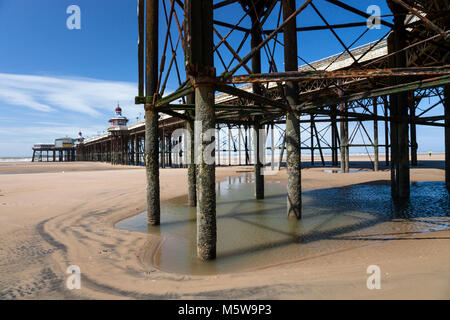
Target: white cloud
18, 140
61, 101
79, 95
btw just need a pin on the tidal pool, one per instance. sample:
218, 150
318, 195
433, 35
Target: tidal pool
254, 234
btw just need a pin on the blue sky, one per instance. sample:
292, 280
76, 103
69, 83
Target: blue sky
55, 82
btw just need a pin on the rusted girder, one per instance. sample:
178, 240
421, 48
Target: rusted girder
231, 107
251, 96
422, 84
338, 74
333, 26
223, 3
226, 75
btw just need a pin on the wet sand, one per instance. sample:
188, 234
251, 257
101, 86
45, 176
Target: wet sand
256, 234
64, 214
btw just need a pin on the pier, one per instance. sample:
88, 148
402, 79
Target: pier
50, 153
380, 84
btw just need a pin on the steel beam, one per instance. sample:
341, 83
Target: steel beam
338, 74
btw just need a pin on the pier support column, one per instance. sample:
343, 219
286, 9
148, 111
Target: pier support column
400, 188
190, 149
293, 161
272, 146
375, 136
218, 145
136, 149
206, 201
311, 125
230, 137
113, 150
344, 140
170, 151
256, 39
163, 149
200, 69
386, 130
334, 138
447, 135
152, 165
239, 144
257, 154
151, 115
412, 128
247, 157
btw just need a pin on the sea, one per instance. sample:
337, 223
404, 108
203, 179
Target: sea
15, 159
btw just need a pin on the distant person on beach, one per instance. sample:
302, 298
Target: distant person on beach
429, 153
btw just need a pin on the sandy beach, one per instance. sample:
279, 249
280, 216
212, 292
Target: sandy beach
53, 215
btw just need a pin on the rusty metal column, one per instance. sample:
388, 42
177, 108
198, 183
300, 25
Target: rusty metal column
239, 144
136, 149
151, 114
386, 130
375, 136
344, 139
113, 150
293, 161
190, 149
169, 140
311, 124
163, 149
200, 68
229, 145
257, 154
272, 146
190, 141
400, 188
447, 135
256, 39
413, 131
218, 145
333, 137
